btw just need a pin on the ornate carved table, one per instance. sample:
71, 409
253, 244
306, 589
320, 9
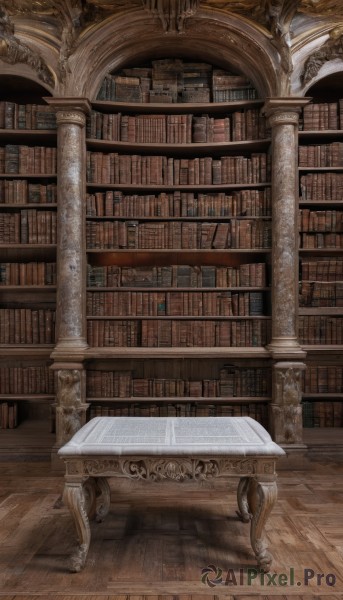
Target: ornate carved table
177, 448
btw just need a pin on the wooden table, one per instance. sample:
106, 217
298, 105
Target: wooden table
177, 448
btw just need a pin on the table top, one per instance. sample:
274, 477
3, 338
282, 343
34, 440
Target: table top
171, 436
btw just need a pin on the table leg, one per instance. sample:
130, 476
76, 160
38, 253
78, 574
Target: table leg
103, 499
261, 498
242, 500
74, 498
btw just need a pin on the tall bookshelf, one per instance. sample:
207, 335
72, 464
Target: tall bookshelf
178, 244
321, 253
28, 207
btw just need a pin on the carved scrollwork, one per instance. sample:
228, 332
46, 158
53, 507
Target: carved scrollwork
333, 48
101, 466
238, 466
175, 469
70, 411
172, 13
13, 50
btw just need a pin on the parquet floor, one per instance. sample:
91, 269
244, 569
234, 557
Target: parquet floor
158, 538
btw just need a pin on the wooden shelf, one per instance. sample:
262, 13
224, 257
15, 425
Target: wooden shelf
174, 107
178, 318
29, 205
321, 169
322, 396
320, 134
130, 187
24, 289
27, 350
321, 251
33, 136
223, 353
206, 219
177, 289
185, 399
179, 149
322, 203
135, 258
322, 310
28, 175
27, 397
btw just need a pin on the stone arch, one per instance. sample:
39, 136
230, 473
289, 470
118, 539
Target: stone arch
228, 41
26, 79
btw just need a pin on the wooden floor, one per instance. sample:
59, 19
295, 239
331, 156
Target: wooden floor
159, 537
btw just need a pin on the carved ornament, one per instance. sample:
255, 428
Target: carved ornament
13, 50
172, 13
74, 117
280, 117
177, 469
332, 49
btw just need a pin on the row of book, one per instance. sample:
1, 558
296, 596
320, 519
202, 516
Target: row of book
232, 382
250, 202
172, 81
321, 330
321, 293
167, 333
197, 304
323, 155
320, 220
29, 226
323, 379
322, 414
28, 160
322, 270
259, 412
321, 187
31, 273
26, 116
27, 380
8, 415
20, 191
27, 326
323, 115
245, 275
321, 240
114, 168
236, 233
177, 129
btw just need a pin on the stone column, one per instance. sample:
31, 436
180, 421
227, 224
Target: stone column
285, 409
71, 341
71, 256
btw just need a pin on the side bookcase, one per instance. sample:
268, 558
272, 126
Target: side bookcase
321, 257
178, 246
28, 191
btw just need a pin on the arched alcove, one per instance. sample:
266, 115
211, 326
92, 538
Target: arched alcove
231, 43
13, 87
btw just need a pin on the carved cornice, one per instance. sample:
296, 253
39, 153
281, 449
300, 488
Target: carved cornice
13, 50
330, 50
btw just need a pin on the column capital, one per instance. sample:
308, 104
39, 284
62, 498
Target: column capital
281, 111
70, 110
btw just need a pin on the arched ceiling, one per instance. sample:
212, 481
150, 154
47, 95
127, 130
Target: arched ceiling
283, 46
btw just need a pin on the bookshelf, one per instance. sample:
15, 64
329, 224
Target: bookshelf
178, 232
321, 254
28, 206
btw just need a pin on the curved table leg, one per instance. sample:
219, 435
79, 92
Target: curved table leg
242, 500
261, 496
103, 500
74, 498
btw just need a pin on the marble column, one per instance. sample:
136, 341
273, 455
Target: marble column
71, 256
71, 339
285, 409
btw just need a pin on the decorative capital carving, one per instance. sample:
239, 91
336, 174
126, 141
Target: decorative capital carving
172, 13
283, 111
331, 49
13, 51
74, 117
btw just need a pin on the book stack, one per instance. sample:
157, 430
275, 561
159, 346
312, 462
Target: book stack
31, 273
8, 415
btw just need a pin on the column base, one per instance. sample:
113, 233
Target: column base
70, 350
286, 348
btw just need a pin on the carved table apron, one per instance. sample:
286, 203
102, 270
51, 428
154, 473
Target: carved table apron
177, 448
